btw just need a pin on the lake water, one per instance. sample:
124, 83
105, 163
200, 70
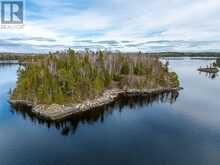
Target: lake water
160, 130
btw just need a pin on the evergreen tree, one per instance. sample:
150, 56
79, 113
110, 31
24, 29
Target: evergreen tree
72, 77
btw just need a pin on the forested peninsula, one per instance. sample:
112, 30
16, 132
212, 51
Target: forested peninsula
59, 85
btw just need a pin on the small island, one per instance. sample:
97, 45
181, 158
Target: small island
212, 69
59, 85
208, 70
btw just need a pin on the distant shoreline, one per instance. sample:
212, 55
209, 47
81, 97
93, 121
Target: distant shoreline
17, 56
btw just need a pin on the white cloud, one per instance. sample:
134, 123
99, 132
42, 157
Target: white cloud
137, 21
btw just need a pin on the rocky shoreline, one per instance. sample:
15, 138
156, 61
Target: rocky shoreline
208, 70
56, 112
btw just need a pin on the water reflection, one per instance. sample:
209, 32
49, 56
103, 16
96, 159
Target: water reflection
69, 126
186, 132
209, 75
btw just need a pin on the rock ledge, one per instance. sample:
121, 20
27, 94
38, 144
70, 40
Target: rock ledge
58, 112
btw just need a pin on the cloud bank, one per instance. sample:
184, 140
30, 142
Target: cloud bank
140, 25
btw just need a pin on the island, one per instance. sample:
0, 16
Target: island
209, 70
59, 85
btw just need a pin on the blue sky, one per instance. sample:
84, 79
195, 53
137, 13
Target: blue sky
125, 25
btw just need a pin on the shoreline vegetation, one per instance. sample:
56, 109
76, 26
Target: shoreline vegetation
62, 84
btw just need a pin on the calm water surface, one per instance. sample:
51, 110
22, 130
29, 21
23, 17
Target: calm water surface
160, 130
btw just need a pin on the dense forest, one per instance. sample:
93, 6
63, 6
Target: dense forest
72, 77
218, 62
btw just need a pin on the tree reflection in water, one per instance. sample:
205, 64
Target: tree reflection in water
70, 125
209, 75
